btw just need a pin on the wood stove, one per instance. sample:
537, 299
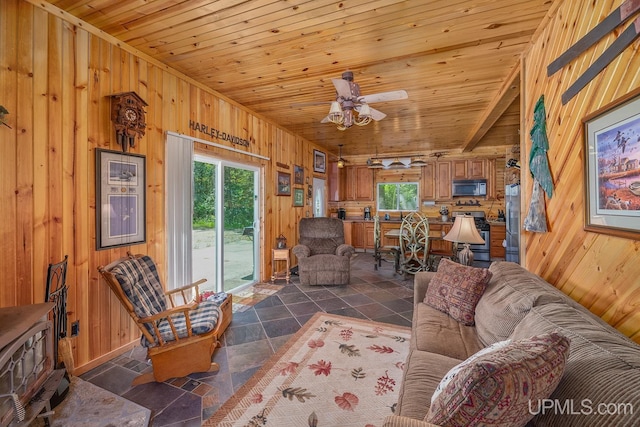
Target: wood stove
27, 375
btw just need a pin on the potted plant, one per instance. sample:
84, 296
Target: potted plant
444, 211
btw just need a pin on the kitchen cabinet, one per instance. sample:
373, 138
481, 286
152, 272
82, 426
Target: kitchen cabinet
443, 181
438, 244
356, 184
428, 182
369, 238
333, 176
468, 169
491, 179
362, 235
497, 234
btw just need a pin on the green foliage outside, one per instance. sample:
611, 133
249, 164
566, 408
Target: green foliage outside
398, 196
238, 197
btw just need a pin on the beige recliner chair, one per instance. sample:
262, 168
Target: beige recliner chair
323, 257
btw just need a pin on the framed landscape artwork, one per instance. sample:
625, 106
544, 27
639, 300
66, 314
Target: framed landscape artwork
120, 197
319, 161
283, 184
612, 168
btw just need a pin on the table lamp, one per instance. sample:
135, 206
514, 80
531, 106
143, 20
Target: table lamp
464, 231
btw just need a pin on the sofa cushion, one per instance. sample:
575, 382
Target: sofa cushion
437, 332
497, 387
509, 296
422, 374
455, 289
602, 369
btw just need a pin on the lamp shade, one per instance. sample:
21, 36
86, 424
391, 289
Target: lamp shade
464, 231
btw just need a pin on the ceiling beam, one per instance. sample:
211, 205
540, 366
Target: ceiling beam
508, 92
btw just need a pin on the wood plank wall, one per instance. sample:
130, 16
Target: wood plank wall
602, 272
55, 80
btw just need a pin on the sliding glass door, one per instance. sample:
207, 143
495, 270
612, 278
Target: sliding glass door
225, 224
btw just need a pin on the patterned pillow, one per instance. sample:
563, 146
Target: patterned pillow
497, 388
455, 289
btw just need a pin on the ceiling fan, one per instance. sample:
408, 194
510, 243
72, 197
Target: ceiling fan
348, 100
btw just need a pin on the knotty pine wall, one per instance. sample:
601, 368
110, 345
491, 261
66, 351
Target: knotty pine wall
602, 272
55, 80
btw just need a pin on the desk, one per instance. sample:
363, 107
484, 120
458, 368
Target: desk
279, 255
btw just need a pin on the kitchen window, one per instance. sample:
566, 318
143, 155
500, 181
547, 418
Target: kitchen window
397, 196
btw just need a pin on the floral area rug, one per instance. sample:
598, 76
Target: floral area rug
335, 371
247, 298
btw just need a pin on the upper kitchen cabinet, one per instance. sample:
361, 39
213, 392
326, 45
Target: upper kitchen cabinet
443, 180
356, 184
333, 177
428, 182
469, 169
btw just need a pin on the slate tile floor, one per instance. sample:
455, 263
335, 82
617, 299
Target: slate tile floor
253, 336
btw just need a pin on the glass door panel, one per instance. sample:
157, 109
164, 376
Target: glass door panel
240, 197
225, 234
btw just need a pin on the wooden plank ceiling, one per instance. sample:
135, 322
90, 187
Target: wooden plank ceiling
457, 59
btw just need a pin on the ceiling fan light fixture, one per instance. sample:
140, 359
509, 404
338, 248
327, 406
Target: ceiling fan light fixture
335, 113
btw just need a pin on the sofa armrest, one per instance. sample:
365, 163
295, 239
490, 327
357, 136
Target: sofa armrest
420, 285
345, 250
301, 251
398, 421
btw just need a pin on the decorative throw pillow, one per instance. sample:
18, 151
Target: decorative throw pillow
497, 387
453, 372
455, 289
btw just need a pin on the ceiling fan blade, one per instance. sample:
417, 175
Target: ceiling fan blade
325, 120
384, 96
377, 115
342, 88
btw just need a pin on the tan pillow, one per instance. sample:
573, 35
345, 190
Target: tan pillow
455, 289
497, 387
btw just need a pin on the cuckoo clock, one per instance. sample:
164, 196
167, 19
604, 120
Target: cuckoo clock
127, 115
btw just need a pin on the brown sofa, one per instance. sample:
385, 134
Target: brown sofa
601, 381
323, 257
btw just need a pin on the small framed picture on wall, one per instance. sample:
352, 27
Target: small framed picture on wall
283, 184
319, 161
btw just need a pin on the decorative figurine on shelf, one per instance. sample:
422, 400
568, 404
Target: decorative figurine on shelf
444, 211
281, 242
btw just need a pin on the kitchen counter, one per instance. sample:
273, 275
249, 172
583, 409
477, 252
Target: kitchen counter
432, 220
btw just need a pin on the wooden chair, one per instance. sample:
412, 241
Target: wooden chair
414, 243
379, 249
180, 339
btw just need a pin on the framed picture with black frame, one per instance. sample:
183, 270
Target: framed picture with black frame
612, 168
120, 199
319, 161
298, 175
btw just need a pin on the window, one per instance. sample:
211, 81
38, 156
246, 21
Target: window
397, 196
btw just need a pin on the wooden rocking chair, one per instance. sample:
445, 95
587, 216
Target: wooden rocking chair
180, 339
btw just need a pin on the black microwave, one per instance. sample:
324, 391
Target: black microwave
469, 187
